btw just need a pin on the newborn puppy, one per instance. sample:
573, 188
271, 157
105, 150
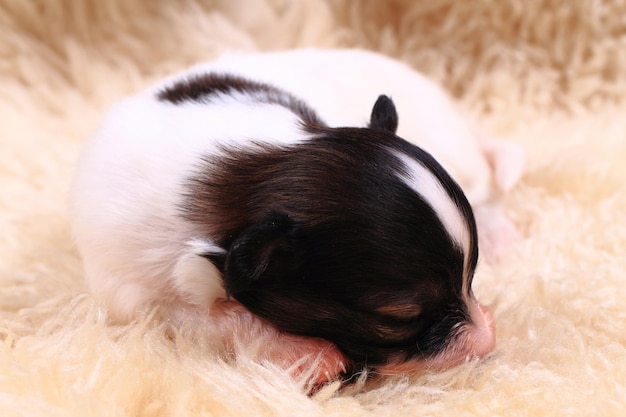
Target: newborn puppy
343, 239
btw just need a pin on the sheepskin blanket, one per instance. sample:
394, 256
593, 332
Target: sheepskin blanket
548, 74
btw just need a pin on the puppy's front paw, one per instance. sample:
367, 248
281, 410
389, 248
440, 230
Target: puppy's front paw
313, 360
316, 360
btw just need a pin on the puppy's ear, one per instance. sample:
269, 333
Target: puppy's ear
268, 250
384, 115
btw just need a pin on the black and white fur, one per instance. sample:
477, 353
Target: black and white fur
220, 183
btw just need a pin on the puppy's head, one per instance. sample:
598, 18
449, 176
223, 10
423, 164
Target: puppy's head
355, 236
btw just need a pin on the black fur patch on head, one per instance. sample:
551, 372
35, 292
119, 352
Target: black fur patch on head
206, 87
325, 240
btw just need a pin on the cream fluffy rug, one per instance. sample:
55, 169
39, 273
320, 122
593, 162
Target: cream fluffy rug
549, 74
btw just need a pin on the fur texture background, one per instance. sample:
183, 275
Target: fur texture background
549, 74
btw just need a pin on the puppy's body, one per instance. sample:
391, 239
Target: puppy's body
341, 85
240, 174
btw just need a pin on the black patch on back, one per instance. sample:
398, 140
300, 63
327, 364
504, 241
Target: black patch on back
204, 88
355, 243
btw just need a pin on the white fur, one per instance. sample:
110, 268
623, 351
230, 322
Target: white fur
138, 251
421, 180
